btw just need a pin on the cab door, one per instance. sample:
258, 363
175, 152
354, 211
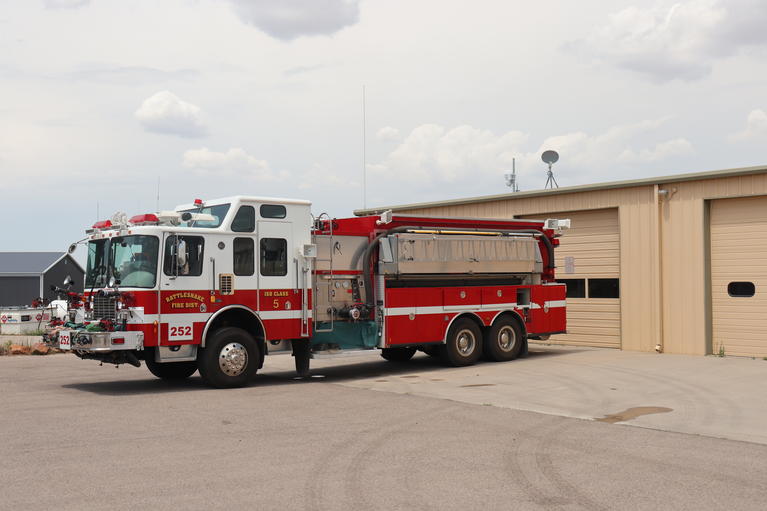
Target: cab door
279, 292
184, 289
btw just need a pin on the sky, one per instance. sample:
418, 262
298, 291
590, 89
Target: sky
101, 98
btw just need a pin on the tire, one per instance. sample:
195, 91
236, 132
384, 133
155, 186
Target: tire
398, 354
302, 356
504, 340
464, 343
170, 370
230, 358
433, 350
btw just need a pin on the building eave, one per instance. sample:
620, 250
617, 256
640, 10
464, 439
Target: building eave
660, 180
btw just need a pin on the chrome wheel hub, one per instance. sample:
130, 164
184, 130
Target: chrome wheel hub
466, 342
233, 359
507, 338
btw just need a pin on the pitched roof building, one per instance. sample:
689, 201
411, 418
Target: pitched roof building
25, 276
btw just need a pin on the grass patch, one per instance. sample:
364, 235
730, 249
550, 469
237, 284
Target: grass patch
720, 352
5, 348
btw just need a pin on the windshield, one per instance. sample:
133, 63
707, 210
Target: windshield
219, 212
96, 270
133, 260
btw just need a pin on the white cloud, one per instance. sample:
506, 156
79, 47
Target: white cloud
166, 113
678, 40
756, 126
432, 154
322, 176
234, 162
388, 134
661, 151
290, 19
65, 4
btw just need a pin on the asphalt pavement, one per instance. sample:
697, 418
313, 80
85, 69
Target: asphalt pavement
79, 436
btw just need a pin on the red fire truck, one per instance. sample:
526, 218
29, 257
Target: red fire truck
217, 285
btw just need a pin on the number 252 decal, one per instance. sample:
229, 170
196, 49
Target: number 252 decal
181, 331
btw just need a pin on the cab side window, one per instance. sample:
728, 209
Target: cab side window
245, 219
183, 256
244, 258
274, 257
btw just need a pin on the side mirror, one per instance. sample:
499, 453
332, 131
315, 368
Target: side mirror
72, 248
181, 253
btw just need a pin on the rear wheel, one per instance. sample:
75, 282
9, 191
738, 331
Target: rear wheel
230, 358
170, 370
504, 341
302, 356
398, 354
464, 343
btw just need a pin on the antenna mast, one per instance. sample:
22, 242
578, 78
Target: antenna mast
511, 179
364, 155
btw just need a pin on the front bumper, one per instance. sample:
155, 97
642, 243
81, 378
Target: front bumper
82, 340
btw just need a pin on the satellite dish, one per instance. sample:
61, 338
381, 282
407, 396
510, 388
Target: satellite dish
550, 157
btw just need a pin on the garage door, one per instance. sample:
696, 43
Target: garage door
739, 276
588, 261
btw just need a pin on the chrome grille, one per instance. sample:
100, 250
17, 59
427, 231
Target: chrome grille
104, 307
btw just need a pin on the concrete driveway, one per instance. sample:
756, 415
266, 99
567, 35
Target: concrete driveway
367, 434
719, 397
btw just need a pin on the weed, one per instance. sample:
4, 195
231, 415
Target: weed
720, 352
5, 348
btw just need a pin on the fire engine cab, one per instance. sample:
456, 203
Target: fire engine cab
218, 285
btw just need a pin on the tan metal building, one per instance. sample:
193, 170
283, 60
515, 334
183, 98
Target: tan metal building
676, 263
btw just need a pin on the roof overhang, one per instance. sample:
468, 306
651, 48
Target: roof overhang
676, 178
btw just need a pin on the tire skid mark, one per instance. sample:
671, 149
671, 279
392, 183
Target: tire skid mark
545, 464
530, 464
358, 451
354, 476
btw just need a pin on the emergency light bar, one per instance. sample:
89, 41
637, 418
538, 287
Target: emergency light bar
146, 219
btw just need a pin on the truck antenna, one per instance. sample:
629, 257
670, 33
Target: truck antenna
364, 153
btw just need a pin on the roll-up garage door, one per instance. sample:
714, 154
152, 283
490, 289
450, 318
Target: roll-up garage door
739, 276
588, 261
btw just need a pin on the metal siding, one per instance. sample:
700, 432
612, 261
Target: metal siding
636, 258
663, 246
58, 272
18, 290
739, 253
593, 242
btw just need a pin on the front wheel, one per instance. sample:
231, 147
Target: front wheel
464, 343
230, 358
397, 354
170, 370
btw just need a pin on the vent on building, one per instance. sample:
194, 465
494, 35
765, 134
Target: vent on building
225, 283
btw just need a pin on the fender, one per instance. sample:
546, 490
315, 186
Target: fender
517, 315
461, 315
224, 309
